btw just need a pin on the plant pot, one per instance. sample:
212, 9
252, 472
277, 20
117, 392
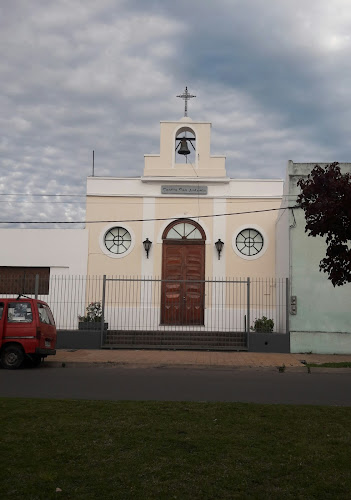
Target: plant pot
91, 325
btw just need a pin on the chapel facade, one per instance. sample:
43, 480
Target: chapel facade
183, 221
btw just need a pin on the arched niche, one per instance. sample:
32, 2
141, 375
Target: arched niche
188, 134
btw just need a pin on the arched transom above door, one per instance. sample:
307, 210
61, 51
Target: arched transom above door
184, 230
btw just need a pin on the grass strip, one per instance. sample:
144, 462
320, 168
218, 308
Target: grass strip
162, 450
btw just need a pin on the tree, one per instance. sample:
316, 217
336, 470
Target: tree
326, 199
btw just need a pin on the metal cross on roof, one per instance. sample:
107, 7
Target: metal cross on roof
186, 96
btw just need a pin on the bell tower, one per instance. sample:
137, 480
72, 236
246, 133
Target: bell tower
185, 149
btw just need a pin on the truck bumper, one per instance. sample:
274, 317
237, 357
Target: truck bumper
45, 352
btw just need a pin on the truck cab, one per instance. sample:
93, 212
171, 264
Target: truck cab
27, 330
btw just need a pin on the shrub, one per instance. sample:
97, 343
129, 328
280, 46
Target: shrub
263, 324
93, 313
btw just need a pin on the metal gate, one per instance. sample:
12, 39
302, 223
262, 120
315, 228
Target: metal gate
232, 308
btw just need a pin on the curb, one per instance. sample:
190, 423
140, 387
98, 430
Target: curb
131, 365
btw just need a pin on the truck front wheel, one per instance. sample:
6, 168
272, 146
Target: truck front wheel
12, 357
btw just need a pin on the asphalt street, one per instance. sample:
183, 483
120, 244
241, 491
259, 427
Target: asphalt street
178, 384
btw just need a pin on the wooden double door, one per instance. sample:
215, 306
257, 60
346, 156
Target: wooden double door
183, 286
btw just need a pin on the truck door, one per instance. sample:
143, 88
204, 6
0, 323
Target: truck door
20, 326
47, 327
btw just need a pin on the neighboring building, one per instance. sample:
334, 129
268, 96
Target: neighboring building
55, 256
320, 318
58, 251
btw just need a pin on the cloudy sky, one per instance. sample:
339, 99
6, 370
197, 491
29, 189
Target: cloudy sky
273, 77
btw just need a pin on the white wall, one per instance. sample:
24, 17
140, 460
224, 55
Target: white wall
282, 236
144, 187
63, 250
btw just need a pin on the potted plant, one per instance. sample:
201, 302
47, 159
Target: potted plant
92, 318
263, 325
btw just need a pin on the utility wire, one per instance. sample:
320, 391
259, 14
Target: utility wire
168, 201
87, 195
37, 194
160, 201
146, 220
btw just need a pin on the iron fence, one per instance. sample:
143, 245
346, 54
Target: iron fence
133, 304
67, 295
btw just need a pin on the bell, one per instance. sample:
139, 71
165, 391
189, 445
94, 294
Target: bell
183, 149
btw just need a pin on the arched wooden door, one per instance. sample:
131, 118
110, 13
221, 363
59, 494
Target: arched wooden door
183, 274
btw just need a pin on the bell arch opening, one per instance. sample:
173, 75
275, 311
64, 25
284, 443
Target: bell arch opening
185, 146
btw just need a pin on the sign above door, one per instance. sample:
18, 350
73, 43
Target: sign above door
187, 189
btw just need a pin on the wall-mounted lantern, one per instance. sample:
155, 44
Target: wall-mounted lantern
147, 245
219, 246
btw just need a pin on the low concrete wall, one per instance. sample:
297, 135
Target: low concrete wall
321, 342
269, 342
90, 339
78, 339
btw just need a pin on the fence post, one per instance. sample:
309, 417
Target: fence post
248, 313
287, 311
36, 286
103, 310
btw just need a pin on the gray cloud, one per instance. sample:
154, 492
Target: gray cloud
273, 77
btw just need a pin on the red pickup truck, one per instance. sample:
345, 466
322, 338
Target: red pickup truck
27, 331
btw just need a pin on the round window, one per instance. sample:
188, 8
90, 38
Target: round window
117, 240
249, 242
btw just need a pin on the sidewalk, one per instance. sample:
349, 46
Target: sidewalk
150, 358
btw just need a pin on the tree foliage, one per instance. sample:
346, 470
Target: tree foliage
326, 199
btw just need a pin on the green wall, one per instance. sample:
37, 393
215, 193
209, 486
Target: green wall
323, 320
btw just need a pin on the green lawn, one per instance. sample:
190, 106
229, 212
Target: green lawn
152, 450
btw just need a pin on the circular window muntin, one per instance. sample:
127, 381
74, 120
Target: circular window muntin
249, 242
257, 229
102, 244
117, 240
